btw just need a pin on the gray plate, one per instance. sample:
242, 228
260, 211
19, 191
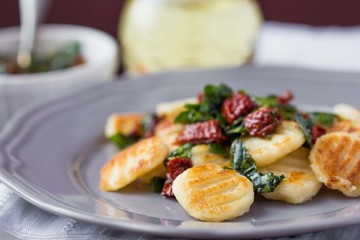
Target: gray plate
51, 154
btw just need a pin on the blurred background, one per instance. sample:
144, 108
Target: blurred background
104, 15
289, 33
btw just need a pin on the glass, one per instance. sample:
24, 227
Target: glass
161, 35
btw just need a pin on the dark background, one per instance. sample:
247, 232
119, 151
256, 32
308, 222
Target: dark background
104, 14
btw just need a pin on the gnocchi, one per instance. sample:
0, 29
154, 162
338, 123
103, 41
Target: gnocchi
213, 153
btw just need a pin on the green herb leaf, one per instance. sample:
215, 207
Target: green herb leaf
208, 109
157, 184
183, 118
192, 106
192, 116
213, 98
123, 141
322, 118
182, 151
287, 111
219, 149
243, 163
222, 122
269, 101
305, 126
147, 124
237, 130
265, 182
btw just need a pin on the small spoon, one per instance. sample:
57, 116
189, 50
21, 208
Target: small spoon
28, 27
31, 13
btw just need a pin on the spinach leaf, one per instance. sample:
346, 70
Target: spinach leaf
148, 125
213, 97
192, 116
183, 151
322, 118
123, 141
269, 101
222, 121
157, 184
243, 163
286, 110
218, 149
265, 182
305, 126
209, 108
236, 130
192, 106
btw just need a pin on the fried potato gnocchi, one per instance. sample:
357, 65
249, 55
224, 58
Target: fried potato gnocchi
287, 138
210, 193
300, 183
227, 145
131, 163
159, 171
173, 108
335, 160
166, 127
347, 112
168, 131
201, 154
126, 124
345, 126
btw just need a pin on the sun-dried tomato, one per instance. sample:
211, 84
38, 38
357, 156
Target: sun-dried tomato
285, 98
261, 122
203, 132
305, 115
174, 168
316, 132
200, 97
238, 104
167, 189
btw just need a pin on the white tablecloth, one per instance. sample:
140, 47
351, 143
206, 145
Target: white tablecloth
322, 48
328, 49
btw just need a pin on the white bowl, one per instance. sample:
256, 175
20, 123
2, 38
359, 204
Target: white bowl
99, 49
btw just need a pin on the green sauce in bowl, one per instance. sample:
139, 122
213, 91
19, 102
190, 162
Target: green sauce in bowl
68, 56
